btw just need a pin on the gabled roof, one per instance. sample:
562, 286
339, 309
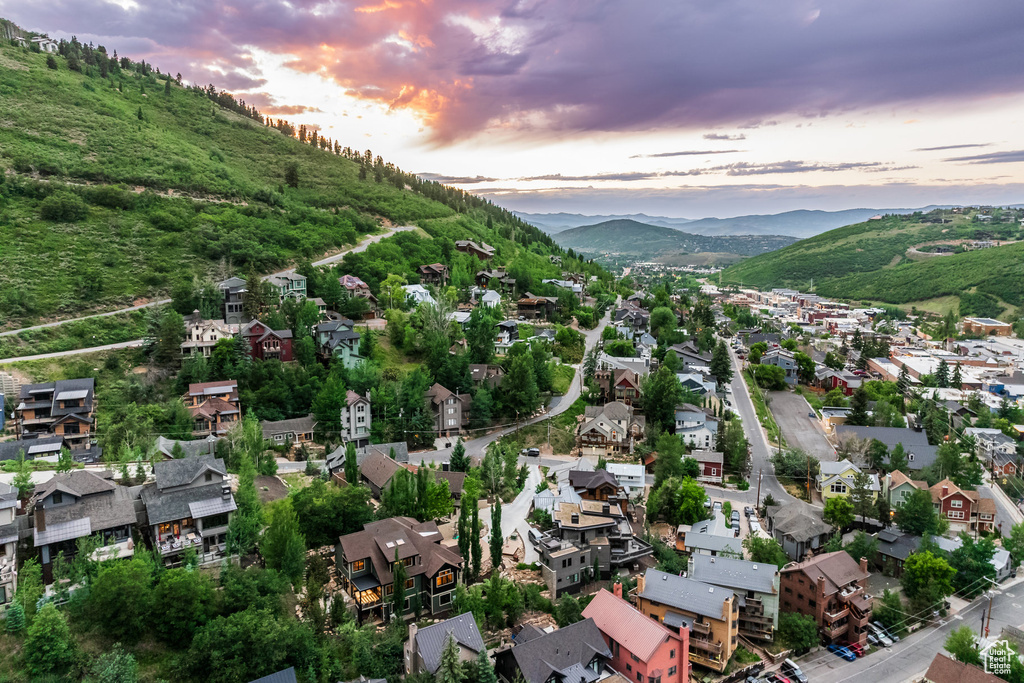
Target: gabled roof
838, 568
78, 483
897, 478
799, 521
285, 676
685, 594
567, 648
296, 425
616, 411
946, 670
741, 575
430, 641
378, 469
372, 543
438, 394
351, 398
228, 386
713, 457
182, 471
621, 622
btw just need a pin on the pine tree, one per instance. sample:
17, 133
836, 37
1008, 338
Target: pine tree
23, 477
858, 408
15, 617
167, 86
459, 461
247, 521
958, 378
903, 383
451, 670
463, 527
139, 114
484, 668
496, 538
282, 546
351, 464
474, 543
942, 374
398, 590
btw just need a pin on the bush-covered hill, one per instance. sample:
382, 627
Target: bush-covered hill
116, 182
872, 248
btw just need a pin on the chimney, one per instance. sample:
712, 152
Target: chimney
945, 491
412, 631
40, 518
225, 491
821, 586
864, 564
617, 588
575, 519
640, 580
446, 466
604, 508
684, 653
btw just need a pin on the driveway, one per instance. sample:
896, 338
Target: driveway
800, 431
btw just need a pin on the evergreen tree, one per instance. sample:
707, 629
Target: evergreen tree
167, 86
942, 374
351, 464
721, 365
49, 647
898, 459
463, 527
459, 461
282, 546
474, 542
958, 378
23, 477
245, 525
861, 495
903, 383
496, 537
398, 592
519, 387
451, 669
15, 617
257, 295
484, 668
858, 408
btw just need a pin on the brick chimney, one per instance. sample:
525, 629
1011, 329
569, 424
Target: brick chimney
640, 579
864, 564
684, 653
821, 587
617, 588
945, 491
40, 518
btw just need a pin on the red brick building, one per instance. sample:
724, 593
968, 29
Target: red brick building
830, 588
643, 650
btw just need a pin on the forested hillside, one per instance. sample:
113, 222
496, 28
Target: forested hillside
624, 236
118, 182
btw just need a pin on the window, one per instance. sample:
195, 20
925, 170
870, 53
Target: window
671, 655
409, 561
956, 514
812, 603
209, 476
671, 671
444, 578
410, 583
788, 590
444, 599
634, 658
838, 487
359, 565
629, 667
57, 497
714, 471
639, 677
956, 503
389, 589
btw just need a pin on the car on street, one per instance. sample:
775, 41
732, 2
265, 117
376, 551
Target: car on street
892, 636
883, 639
841, 651
748, 511
790, 669
533, 452
811, 414
856, 648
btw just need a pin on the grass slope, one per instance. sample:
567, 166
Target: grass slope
189, 189
625, 236
865, 248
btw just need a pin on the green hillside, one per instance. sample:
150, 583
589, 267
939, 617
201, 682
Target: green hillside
873, 248
116, 183
625, 236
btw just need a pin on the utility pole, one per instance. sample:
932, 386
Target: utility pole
988, 616
757, 498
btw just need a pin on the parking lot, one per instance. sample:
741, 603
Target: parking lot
738, 506
791, 412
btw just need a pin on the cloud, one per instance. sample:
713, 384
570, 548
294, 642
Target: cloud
740, 168
991, 158
724, 136
945, 147
456, 180
534, 67
288, 109
786, 167
686, 153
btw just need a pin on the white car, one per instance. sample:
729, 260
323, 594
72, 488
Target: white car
755, 526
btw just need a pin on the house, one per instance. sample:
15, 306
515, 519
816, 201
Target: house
632, 478
534, 307
781, 358
397, 451
337, 339
45, 448
296, 431
641, 648
356, 419
366, 561
832, 589
573, 287
65, 408
214, 407
997, 449
455, 480
283, 676
945, 669
599, 485
202, 335
635, 318
417, 295
481, 250
697, 382
267, 344
376, 470
695, 427
756, 586
691, 356
601, 527
288, 286
9, 506
574, 654
711, 464
484, 278
450, 411
78, 504
45, 44
189, 506
798, 528
837, 479
711, 614
894, 547
425, 645
490, 299
434, 274
915, 442
965, 510
618, 384
565, 566
234, 290
353, 286
609, 430
488, 375
712, 537
897, 487
186, 449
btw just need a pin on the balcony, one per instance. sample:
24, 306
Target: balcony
115, 551
835, 630
705, 646
703, 629
172, 545
368, 598
754, 619
832, 617
756, 630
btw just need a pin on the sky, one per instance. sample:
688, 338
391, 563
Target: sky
686, 108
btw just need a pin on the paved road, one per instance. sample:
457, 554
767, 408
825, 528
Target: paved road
330, 259
1007, 514
800, 431
72, 352
912, 655
759, 450
513, 515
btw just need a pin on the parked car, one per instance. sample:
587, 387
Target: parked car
748, 511
856, 648
811, 414
841, 651
872, 640
735, 528
773, 677
793, 671
533, 453
717, 507
735, 516
889, 634
883, 638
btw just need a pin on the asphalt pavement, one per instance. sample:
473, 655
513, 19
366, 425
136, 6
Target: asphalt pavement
792, 413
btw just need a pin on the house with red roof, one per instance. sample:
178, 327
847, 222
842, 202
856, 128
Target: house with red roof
643, 649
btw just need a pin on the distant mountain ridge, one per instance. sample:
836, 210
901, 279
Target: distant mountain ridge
801, 223
625, 236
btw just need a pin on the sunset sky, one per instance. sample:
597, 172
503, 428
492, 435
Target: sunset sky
672, 107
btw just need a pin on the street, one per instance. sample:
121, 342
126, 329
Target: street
792, 413
912, 655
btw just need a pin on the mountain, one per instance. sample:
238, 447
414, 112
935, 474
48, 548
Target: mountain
896, 259
630, 237
801, 223
116, 185
553, 223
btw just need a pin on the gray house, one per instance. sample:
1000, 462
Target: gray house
566, 566
798, 528
234, 289
781, 358
425, 645
577, 653
189, 506
756, 585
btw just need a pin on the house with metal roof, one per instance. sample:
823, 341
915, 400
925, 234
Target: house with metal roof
695, 427
642, 649
366, 563
189, 506
798, 527
283, 676
756, 586
920, 453
296, 431
711, 614
65, 408
894, 547
424, 647
574, 654
78, 504
838, 479
711, 537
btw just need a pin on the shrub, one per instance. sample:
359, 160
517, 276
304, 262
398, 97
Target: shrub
64, 207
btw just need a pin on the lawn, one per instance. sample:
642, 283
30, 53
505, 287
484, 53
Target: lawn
563, 377
764, 416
